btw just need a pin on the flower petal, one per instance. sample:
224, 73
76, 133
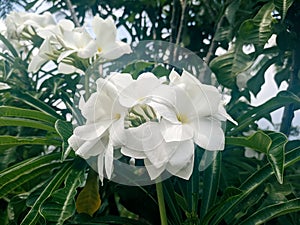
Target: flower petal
92, 131
176, 132
152, 170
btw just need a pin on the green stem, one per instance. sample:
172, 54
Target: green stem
161, 203
87, 86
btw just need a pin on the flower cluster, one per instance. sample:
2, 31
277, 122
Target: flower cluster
68, 46
157, 120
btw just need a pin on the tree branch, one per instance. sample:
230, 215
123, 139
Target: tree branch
73, 13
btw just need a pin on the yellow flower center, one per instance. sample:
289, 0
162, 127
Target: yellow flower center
182, 118
117, 116
99, 49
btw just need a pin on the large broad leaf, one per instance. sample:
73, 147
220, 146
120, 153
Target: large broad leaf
258, 30
61, 205
33, 215
252, 183
269, 212
228, 66
88, 200
282, 6
272, 144
16, 175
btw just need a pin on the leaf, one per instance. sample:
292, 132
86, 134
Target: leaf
229, 65
255, 83
16, 141
88, 200
6, 121
257, 31
9, 46
283, 6
16, 175
210, 185
9, 111
253, 182
37, 104
33, 215
276, 154
65, 130
258, 141
61, 205
263, 215
283, 98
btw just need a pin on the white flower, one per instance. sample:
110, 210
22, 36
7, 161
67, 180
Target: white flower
105, 43
104, 120
4, 86
196, 114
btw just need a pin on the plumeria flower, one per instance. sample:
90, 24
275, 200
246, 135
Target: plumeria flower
196, 114
105, 43
104, 120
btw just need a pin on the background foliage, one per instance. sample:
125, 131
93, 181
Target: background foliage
40, 179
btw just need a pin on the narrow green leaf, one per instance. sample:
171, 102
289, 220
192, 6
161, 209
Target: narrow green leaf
16, 175
9, 111
9, 46
214, 217
7, 121
33, 215
269, 212
37, 104
61, 205
65, 130
283, 98
210, 185
16, 141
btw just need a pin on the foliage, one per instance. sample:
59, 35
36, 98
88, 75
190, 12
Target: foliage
41, 178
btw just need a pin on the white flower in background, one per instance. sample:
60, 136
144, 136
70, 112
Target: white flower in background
4, 86
19, 22
105, 43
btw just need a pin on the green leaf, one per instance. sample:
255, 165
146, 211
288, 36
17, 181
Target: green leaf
263, 215
255, 83
252, 183
37, 104
16, 175
61, 205
258, 30
6, 121
210, 185
16, 141
33, 215
282, 6
65, 130
283, 98
276, 154
229, 65
9, 46
9, 111
258, 141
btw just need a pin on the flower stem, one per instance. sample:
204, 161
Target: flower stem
87, 86
161, 203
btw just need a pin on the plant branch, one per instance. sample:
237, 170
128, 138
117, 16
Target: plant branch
161, 203
73, 13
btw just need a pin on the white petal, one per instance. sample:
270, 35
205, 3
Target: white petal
184, 172
115, 50
137, 154
174, 76
176, 132
146, 137
92, 131
4, 86
152, 170
65, 54
182, 154
109, 159
90, 148
68, 69
100, 164
120, 80
160, 155
36, 63
105, 30
75, 142
208, 133
117, 132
